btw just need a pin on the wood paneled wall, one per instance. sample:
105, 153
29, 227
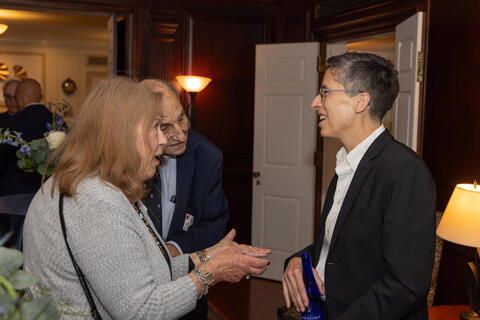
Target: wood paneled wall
451, 144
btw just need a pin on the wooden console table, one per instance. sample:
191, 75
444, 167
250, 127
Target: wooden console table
447, 312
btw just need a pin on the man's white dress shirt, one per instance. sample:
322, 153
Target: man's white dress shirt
168, 176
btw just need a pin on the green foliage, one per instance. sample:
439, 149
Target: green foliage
35, 160
15, 304
33, 155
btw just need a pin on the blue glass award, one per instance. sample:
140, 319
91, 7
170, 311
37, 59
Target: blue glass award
314, 311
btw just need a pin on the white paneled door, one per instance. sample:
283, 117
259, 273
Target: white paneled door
286, 81
408, 43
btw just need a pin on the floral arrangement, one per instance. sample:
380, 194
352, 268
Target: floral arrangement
33, 155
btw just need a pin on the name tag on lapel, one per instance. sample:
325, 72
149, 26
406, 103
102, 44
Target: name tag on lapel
188, 221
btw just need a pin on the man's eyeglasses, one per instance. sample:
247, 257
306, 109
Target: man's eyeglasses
323, 90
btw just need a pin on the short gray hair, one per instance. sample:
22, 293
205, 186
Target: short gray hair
369, 73
153, 84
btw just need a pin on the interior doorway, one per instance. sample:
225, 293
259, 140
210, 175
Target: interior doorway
55, 46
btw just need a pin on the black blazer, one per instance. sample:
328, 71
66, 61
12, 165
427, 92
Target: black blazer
32, 123
199, 193
380, 260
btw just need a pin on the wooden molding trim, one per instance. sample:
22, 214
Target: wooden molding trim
376, 18
270, 2
74, 5
163, 26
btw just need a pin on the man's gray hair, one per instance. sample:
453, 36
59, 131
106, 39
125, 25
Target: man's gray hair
169, 85
153, 83
369, 73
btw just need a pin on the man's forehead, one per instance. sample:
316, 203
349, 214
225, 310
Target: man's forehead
11, 86
171, 102
172, 109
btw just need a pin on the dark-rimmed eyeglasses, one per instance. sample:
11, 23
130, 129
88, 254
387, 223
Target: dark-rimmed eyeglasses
323, 90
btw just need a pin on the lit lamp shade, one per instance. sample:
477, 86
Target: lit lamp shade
193, 83
3, 27
460, 222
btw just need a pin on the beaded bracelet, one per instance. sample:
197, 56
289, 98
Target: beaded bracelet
200, 257
203, 256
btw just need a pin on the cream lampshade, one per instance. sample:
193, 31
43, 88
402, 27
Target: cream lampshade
3, 26
460, 222
193, 83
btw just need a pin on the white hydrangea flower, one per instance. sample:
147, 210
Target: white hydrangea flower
54, 138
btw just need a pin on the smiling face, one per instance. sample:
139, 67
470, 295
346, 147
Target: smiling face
150, 145
337, 111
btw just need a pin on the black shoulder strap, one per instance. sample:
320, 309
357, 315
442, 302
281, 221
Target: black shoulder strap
81, 277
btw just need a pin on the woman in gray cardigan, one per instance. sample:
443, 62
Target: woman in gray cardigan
100, 169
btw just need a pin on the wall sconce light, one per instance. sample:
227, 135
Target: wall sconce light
69, 86
460, 223
3, 26
193, 85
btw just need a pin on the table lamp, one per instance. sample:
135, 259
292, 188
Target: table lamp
460, 224
193, 85
3, 26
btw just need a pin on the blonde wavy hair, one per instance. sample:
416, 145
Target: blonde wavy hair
102, 143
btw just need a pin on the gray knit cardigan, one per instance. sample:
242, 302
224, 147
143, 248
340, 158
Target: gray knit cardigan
124, 267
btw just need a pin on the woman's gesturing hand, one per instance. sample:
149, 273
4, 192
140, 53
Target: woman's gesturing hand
228, 243
231, 265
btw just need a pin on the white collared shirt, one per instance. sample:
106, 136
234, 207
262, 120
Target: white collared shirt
346, 166
168, 175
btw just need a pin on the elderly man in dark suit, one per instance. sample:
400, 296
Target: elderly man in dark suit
374, 255
31, 121
187, 200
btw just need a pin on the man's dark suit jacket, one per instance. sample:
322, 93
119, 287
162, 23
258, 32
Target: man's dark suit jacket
381, 254
4, 117
199, 193
32, 123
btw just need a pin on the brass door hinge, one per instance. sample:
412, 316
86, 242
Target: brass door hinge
420, 65
321, 64
316, 11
